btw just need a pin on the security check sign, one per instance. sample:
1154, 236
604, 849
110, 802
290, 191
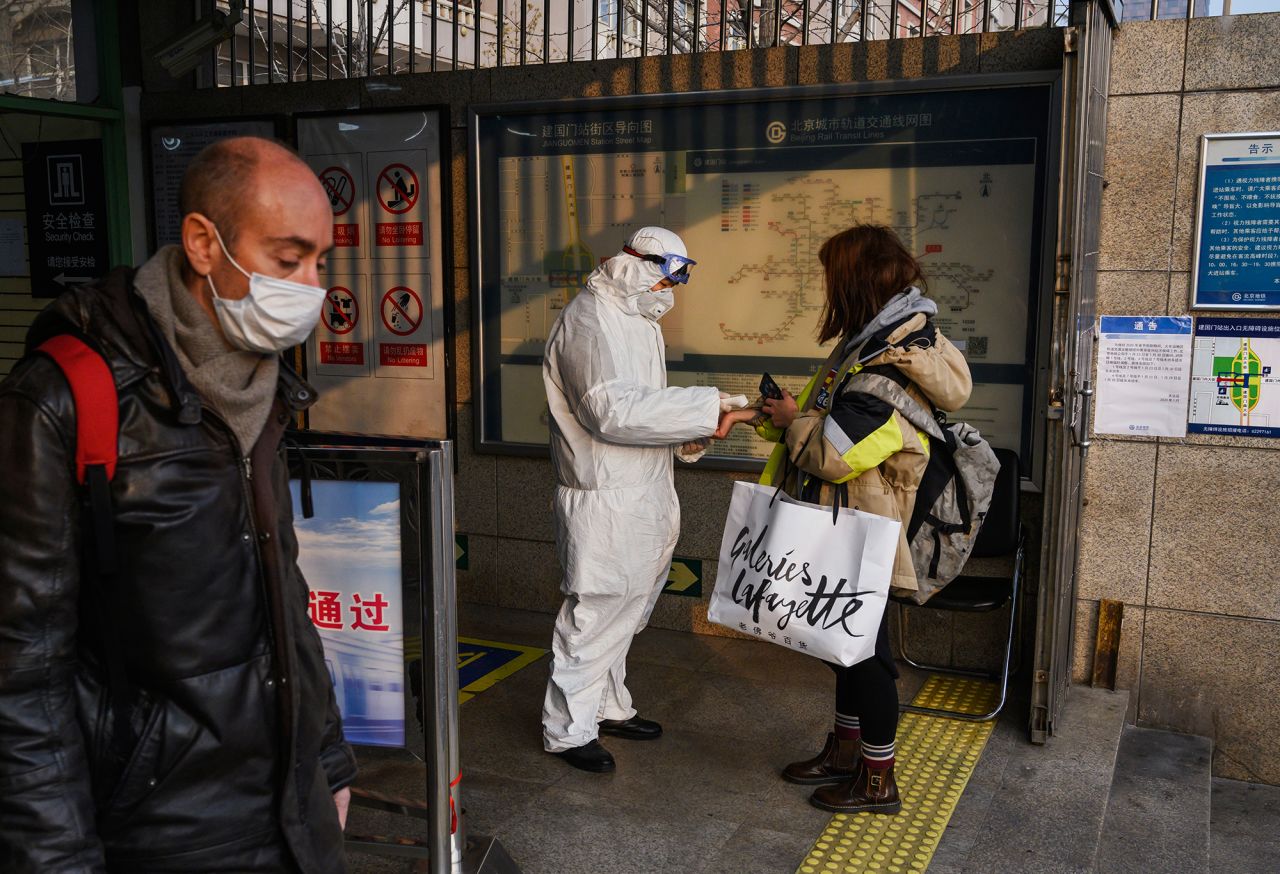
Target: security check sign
1237, 253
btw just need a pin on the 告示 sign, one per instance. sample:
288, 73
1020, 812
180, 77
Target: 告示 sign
1237, 241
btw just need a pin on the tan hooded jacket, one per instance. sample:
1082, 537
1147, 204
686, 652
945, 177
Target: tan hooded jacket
844, 437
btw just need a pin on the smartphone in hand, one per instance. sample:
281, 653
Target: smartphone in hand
769, 388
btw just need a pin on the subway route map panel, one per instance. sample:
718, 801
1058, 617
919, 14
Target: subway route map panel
755, 189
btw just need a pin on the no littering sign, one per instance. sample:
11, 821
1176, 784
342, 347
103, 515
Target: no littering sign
402, 316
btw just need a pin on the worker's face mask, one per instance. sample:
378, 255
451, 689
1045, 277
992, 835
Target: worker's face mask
275, 315
656, 304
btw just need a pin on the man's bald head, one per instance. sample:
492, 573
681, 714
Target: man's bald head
222, 183
249, 206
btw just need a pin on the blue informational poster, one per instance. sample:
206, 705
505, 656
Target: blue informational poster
1237, 245
350, 555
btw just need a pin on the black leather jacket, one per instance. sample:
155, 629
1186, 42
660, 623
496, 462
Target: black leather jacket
239, 738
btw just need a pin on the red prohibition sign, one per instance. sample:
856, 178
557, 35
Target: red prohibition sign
342, 311
339, 187
396, 311
397, 188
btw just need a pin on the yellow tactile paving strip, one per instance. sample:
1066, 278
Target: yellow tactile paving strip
935, 758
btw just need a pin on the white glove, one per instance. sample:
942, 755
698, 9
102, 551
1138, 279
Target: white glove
692, 450
732, 402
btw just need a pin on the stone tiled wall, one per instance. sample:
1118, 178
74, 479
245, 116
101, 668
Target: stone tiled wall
1185, 532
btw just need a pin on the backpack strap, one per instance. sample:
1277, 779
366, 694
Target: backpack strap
893, 394
97, 409
97, 406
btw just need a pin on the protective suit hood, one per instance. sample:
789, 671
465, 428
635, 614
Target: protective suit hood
629, 281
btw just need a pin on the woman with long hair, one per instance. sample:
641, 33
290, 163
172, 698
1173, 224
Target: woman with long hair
835, 443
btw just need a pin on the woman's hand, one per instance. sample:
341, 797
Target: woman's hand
730, 418
782, 410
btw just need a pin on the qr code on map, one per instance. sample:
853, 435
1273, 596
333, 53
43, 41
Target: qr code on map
977, 347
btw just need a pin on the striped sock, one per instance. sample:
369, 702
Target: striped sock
847, 727
878, 757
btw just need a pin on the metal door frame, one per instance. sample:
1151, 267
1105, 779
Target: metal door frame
1086, 72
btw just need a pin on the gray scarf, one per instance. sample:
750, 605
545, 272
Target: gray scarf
899, 307
239, 386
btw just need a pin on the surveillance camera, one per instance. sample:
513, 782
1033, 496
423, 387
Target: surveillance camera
184, 51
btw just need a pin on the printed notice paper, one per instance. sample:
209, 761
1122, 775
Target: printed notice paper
1144, 364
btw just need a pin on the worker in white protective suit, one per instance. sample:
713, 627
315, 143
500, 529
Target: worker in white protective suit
615, 426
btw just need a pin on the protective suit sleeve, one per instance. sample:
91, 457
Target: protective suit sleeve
625, 412
621, 410
46, 804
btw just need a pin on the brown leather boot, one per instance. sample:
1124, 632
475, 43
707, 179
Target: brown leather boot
872, 790
839, 760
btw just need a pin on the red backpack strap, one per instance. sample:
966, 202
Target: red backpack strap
97, 407
93, 390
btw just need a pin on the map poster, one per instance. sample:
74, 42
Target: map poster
1143, 362
755, 188
1237, 251
385, 300
1235, 377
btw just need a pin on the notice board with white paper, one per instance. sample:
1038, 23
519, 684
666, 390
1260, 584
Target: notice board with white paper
378, 354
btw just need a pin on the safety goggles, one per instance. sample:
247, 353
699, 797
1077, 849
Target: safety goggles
674, 267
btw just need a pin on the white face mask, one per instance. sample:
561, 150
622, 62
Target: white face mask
656, 304
275, 315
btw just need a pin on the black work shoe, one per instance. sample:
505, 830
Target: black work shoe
589, 757
634, 728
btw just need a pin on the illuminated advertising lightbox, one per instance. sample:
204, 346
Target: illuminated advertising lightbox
350, 556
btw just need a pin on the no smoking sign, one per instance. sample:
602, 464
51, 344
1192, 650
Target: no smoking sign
340, 188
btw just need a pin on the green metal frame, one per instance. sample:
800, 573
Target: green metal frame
108, 110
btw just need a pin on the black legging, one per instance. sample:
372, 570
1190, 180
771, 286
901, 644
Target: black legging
867, 690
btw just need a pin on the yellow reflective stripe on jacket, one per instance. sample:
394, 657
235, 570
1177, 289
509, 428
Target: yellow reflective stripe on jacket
868, 452
771, 432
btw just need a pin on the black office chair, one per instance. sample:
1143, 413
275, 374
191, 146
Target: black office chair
1001, 535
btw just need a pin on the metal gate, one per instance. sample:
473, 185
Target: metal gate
1087, 68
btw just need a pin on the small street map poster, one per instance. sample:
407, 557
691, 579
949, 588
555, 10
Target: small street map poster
1235, 378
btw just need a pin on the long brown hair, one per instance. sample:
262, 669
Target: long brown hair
865, 266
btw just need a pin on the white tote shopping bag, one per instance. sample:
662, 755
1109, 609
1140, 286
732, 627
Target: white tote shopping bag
803, 577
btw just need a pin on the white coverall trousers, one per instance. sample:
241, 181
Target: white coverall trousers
609, 595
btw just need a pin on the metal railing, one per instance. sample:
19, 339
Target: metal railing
306, 40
